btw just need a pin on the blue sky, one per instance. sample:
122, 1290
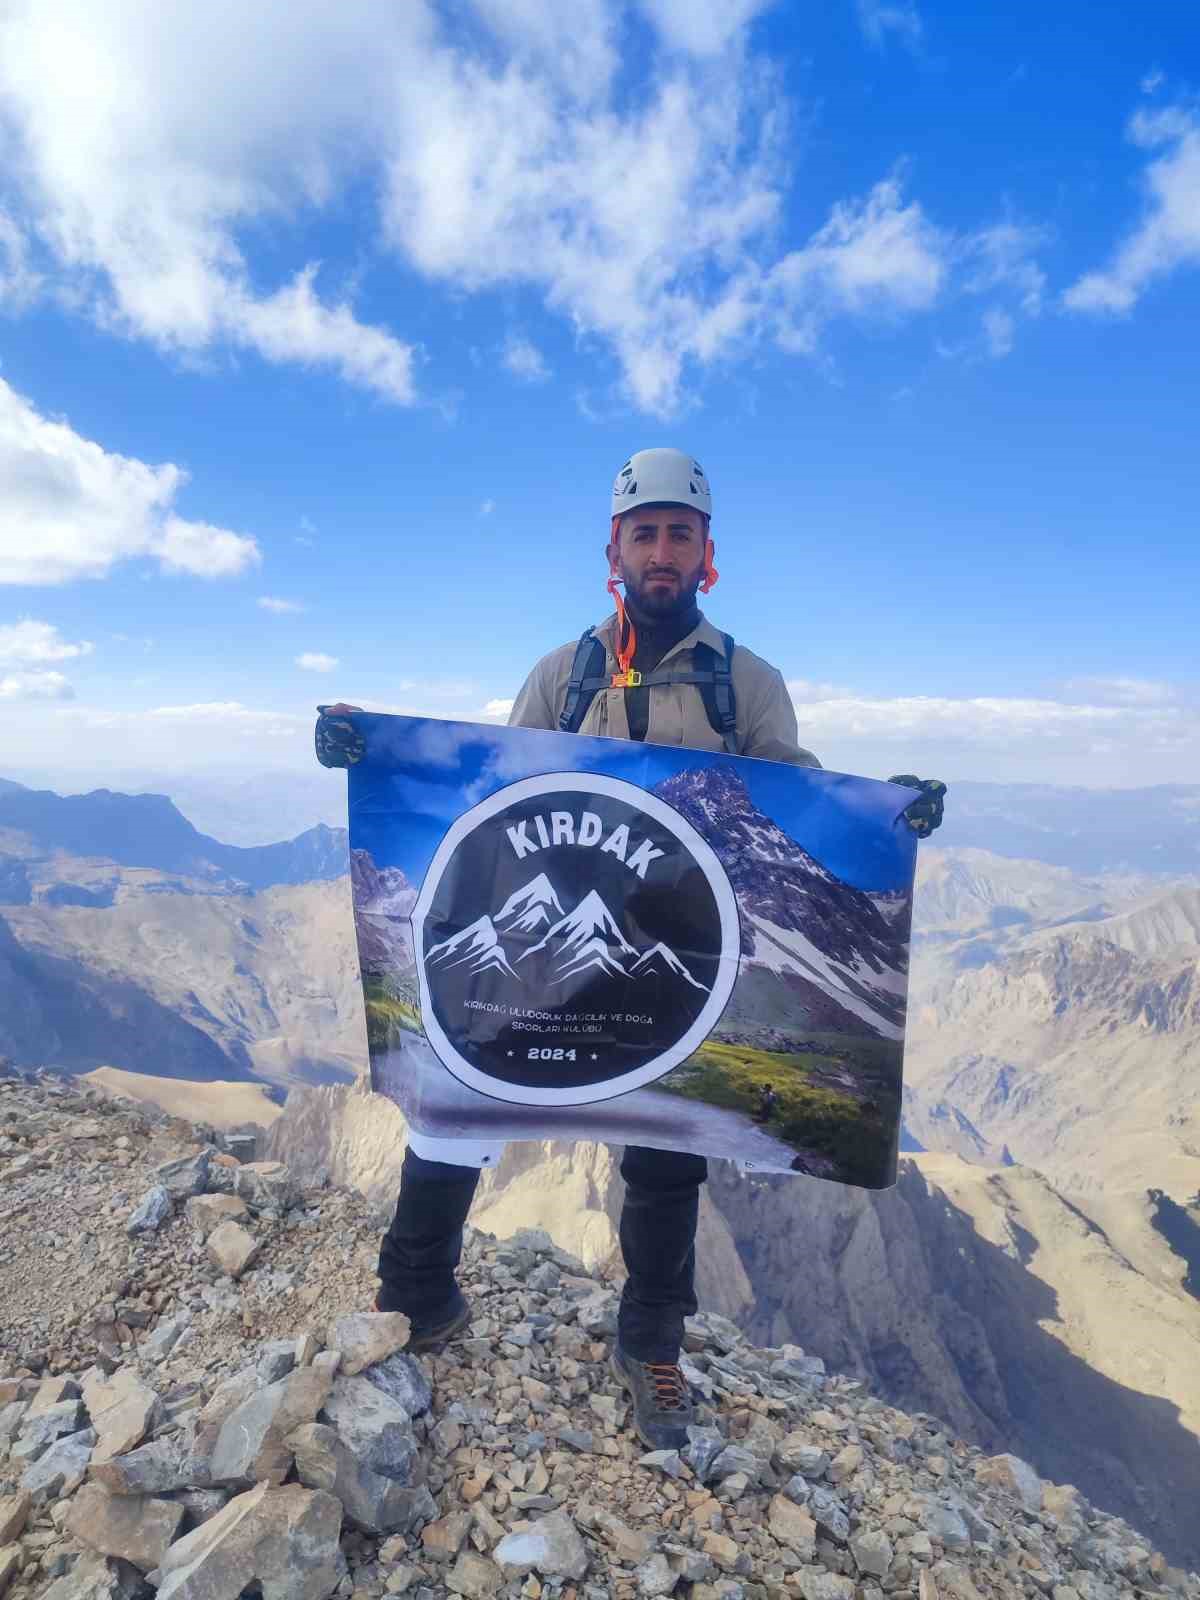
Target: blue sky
335, 363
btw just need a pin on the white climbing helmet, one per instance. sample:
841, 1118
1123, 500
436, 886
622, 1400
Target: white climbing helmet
661, 477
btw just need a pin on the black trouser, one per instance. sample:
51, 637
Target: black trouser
422, 1247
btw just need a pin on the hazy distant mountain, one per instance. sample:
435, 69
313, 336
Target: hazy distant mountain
148, 831
1089, 830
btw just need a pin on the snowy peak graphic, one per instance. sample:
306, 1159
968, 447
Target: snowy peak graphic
660, 961
528, 909
585, 939
477, 948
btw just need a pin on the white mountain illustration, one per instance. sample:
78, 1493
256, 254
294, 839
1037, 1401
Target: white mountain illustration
528, 909
587, 939
478, 947
660, 960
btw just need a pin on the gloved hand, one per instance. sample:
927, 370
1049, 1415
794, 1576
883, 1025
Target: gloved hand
925, 814
338, 741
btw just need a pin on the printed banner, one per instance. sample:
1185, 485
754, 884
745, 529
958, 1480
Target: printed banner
572, 938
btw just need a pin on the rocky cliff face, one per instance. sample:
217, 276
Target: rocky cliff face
980, 1295
194, 1404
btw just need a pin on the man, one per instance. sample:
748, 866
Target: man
655, 671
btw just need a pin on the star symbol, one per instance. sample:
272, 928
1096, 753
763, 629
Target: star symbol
594, 1056
509, 1052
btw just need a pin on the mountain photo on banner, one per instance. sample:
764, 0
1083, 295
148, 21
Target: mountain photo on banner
800, 1068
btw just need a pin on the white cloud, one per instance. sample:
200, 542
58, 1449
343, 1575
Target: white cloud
35, 686
998, 328
498, 708
524, 360
1168, 236
629, 169
1002, 257
487, 507
1153, 82
315, 661
27, 641
878, 19
19, 284
69, 509
875, 256
1124, 691
271, 602
702, 30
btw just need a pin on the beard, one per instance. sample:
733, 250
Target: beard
663, 605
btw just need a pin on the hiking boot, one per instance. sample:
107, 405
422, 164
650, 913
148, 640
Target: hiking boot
428, 1337
662, 1401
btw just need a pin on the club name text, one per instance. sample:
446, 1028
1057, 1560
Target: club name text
560, 827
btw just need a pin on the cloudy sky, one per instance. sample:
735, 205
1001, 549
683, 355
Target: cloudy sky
324, 329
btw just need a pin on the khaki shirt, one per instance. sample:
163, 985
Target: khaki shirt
766, 721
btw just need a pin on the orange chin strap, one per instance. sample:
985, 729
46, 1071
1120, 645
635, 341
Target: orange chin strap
626, 634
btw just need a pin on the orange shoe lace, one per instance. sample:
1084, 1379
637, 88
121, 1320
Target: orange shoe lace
670, 1385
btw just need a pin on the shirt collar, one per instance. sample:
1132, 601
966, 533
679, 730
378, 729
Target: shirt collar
702, 633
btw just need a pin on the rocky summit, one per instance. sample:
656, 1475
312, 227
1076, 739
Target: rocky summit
196, 1402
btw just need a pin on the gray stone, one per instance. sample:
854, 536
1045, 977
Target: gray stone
265, 1185
163, 1340
368, 1337
138, 1531
733, 1459
276, 1359
830, 1513
96, 1577
872, 1552
11, 1417
374, 1427
372, 1502
1014, 1476
798, 1488
198, 1505
664, 1460
250, 1446
61, 1470
14, 1513
578, 1438
174, 1462
286, 1539
402, 1378
597, 1314
151, 1211
185, 1176
40, 1432
655, 1576
552, 1547
944, 1523
796, 1454
817, 1584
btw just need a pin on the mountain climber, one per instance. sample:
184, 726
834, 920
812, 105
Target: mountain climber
767, 1102
658, 671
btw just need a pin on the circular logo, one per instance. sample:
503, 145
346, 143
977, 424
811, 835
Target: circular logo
575, 938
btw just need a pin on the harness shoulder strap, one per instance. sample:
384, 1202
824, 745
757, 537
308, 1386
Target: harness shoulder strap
716, 690
587, 676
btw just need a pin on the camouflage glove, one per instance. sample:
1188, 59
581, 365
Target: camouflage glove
338, 741
925, 814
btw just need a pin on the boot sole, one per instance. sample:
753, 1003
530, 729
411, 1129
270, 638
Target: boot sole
438, 1338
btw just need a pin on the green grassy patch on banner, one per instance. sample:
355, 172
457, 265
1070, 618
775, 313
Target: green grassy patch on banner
388, 1016
811, 1114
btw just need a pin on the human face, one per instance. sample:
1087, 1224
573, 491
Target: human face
659, 552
